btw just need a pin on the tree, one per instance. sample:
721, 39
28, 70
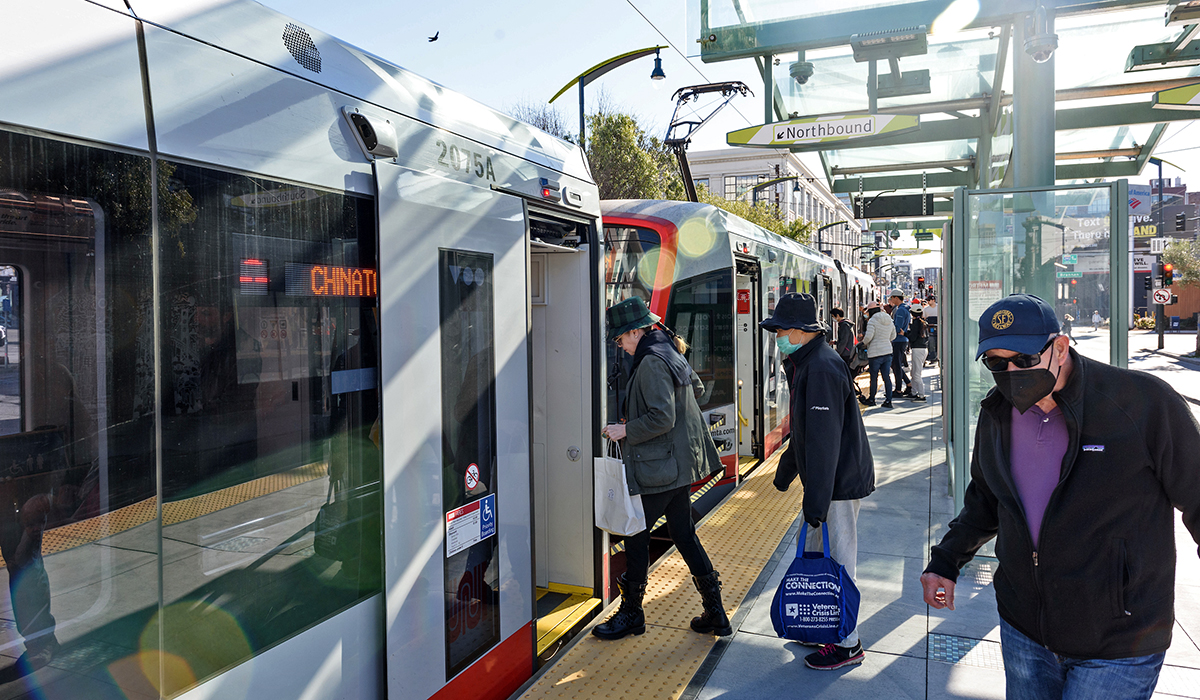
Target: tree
627, 162
768, 215
544, 117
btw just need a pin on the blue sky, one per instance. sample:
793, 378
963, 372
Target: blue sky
501, 53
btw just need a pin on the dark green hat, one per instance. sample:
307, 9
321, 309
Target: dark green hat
628, 315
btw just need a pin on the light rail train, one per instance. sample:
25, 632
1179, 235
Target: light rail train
305, 362
712, 277
302, 381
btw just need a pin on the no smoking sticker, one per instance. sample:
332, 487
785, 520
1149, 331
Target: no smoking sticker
472, 477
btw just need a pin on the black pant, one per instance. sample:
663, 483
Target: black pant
678, 509
898, 350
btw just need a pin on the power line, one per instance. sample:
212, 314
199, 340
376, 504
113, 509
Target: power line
683, 55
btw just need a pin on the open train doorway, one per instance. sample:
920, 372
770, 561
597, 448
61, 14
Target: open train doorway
749, 348
560, 296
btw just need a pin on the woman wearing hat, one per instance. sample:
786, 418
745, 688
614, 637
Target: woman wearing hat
666, 447
878, 337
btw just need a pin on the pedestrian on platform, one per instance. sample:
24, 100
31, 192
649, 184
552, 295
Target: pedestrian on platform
1077, 469
828, 448
918, 338
666, 447
878, 339
846, 347
931, 321
902, 318
1068, 319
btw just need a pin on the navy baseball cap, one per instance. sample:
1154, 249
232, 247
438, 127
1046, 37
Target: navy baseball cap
1018, 322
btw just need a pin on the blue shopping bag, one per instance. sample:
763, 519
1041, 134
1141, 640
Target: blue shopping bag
816, 602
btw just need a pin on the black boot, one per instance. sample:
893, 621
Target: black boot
714, 619
629, 618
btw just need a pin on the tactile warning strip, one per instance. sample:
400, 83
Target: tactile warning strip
740, 538
60, 539
966, 651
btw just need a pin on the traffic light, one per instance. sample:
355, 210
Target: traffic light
1147, 283
921, 284
1074, 282
1168, 274
1180, 221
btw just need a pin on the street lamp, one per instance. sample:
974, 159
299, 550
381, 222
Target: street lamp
600, 69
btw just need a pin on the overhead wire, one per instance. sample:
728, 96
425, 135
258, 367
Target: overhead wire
684, 56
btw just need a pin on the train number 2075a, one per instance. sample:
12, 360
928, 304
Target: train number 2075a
466, 161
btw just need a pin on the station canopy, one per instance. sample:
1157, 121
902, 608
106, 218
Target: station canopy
1106, 124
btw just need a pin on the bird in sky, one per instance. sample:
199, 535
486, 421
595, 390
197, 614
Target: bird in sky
435, 36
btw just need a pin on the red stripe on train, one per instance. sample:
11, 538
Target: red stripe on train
498, 674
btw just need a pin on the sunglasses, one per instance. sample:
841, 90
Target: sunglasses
1021, 361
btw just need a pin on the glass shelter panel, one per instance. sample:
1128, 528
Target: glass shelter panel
1061, 244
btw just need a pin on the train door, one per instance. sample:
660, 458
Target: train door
749, 339
561, 395
454, 347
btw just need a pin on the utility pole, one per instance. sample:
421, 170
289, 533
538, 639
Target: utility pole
1160, 315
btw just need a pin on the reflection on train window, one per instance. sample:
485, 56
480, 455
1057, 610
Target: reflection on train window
11, 395
632, 263
265, 398
270, 414
468, 457
701, 311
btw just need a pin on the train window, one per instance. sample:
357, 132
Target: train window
632, 263
701, 311
270, 411
77, 508
469, 456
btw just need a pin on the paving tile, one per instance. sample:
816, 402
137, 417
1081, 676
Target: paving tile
755, 667
964, 681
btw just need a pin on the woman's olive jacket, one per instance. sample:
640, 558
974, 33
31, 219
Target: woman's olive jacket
666, 443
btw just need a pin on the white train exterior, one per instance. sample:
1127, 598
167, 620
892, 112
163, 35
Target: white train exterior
300, 345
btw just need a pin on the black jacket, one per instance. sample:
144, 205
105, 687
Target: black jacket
845, 340
828, 446
1101, 584
918, 333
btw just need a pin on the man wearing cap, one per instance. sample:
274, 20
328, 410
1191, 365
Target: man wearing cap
828, 447
902, 318
1077, 469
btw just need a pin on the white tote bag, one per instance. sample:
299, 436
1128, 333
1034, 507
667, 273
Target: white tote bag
617, 512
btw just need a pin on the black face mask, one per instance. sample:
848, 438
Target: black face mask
1024, 388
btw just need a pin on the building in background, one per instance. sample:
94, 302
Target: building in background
734, 172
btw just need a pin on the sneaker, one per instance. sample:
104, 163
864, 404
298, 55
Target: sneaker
864, 401
833, 657
886, 404
917, 398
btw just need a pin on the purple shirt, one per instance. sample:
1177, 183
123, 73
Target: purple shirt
1039, 443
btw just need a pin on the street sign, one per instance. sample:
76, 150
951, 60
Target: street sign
924, 236
815, 130
1069, 275
1162, 296
1070, 259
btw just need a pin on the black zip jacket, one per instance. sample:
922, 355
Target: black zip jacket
1101, 584
828, 447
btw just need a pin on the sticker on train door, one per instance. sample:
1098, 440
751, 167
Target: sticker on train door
470, 524
743, 301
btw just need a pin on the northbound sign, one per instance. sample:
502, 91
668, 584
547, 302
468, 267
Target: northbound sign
816, 130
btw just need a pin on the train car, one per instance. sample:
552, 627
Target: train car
712, 277
302, 382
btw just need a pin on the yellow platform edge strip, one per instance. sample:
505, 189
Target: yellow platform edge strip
740, 538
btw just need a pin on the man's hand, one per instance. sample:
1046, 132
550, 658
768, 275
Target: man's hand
939, 592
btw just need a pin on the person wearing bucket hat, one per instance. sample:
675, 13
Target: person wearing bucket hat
666, 448
827, 449
1077, 471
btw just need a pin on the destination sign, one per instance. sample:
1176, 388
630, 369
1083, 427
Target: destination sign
816, 130
330, 281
